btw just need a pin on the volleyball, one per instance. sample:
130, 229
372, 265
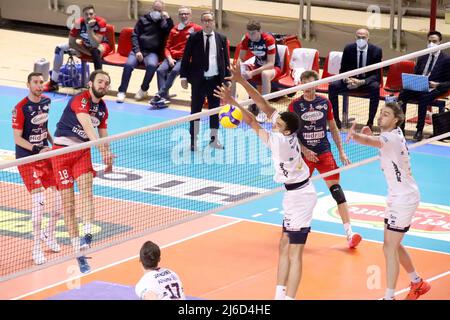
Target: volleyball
230, 116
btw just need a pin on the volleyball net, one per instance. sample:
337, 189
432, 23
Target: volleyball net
157, 181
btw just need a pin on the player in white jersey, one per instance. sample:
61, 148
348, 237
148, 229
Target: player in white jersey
290, 169
403, 195
157, 283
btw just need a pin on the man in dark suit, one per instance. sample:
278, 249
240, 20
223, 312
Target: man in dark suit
436, 66
205, 65
357, 55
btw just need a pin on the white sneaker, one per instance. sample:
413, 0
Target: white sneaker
120, 97
38, 255
50, 242
140, 95
261, 117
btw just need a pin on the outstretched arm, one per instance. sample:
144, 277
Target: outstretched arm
224, 93
236, 76
365, 137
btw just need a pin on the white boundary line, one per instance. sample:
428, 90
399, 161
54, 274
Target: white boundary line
126, 259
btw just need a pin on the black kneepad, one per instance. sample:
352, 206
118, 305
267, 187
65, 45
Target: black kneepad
337, 193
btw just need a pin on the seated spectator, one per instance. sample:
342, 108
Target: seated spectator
436, 66
170, 67
87, 37
266, 65
149, 35
358, 55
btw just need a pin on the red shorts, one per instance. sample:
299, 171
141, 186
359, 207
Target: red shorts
68, 167
37, 174
326, 163
257, 78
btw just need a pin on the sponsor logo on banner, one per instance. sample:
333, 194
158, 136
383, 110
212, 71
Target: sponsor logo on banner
429, 219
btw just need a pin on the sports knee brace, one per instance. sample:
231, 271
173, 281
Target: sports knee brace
338, 194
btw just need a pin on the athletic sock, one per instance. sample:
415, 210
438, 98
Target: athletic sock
280, 293
289, 298
348, 229
414, 277
389, 295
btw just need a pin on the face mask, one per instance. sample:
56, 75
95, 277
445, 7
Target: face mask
181, 26
361, 43
431, 45
155, 15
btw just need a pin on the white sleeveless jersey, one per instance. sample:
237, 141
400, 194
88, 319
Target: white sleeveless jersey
395, 164
287, 157
164, 283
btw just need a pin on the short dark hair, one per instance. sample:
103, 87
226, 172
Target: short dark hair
308, 74
88, 7
253, 25
34, 74
292, 121
398, 111
96, 72
435, 33
150, 255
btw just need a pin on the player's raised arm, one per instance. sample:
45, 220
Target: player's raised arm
224, 93
365, 137
236, 76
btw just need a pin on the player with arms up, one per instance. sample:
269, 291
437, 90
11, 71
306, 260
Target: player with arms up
31, 136
84, 112
290, 169
157, 283
403, 196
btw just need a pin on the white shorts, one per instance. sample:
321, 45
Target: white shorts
400, 211
298, 206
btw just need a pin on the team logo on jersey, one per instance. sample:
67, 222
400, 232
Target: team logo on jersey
312, 116
84, 103
40, 119
46, 107
95, 121
427, 218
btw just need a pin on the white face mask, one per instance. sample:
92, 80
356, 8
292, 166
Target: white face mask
181, 26
361, 43
431, 45
156, 15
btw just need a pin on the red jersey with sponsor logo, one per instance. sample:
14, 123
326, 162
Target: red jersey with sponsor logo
80, 29
32, 119
260, 49
69, 126
314, 115
176, 42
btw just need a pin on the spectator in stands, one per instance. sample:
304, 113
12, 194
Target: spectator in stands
87, 37
170, 67
149, 35
436, 66
266, 65
358, 55
205, 65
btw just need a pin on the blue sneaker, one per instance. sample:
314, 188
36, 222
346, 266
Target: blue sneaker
85, 242
84, 266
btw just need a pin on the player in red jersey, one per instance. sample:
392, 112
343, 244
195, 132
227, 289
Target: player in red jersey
316, 114
31, 136
83, 114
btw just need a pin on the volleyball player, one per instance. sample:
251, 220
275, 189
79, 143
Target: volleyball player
31, 136
403, 196
157, 283
290, 169
316, 114
83, 113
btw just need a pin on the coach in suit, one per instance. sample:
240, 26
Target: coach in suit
436, 66
357, 55
205, 65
